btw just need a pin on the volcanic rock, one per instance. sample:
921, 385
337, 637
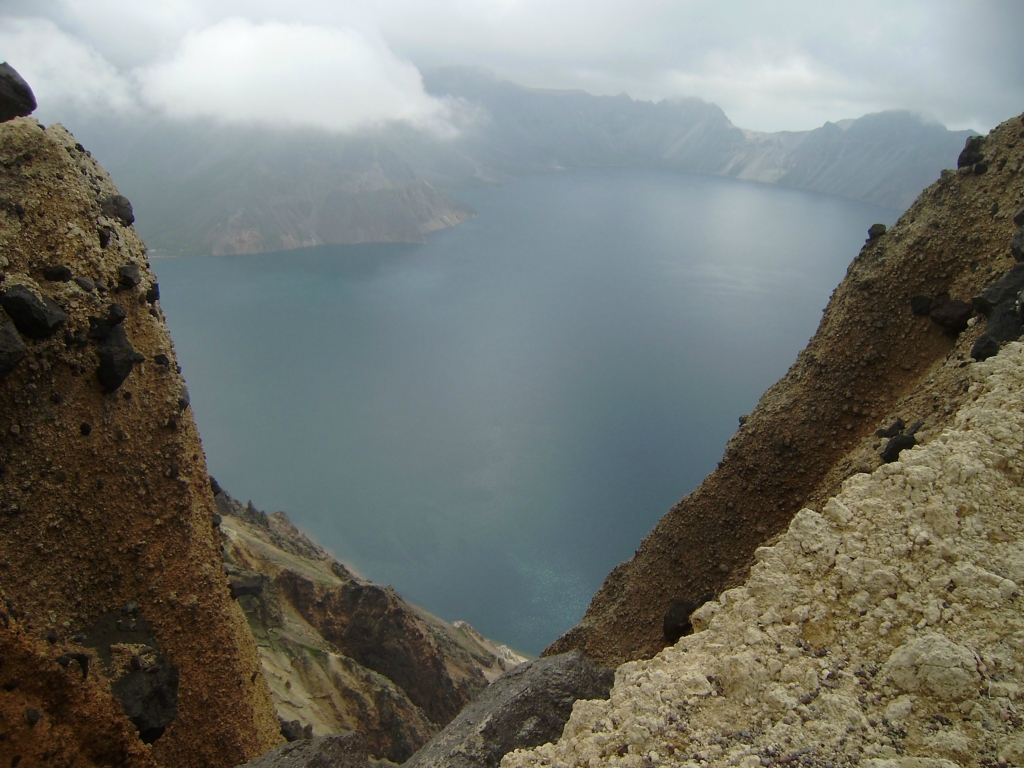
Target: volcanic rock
16, 97
118, 207
12, 348
921, 305
971, 153
1017, 245
1004, 289
875, 231
952, 315
129, 275
57, 273
1018, 218
523, 708
339, 750
117, 357
34, 316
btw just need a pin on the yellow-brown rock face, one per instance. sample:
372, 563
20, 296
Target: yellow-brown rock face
107, 546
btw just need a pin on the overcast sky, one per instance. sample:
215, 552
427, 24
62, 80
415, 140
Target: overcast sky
343, 64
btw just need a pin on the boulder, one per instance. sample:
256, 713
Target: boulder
984, 347
34, 316
971, 153
897, 445
526, 707
952, 315
16, 98
57, 273
117, 358
1017, 245
875, 231
1018, 218
339, 750
1005, 288
129, 275
12, 348
118, 207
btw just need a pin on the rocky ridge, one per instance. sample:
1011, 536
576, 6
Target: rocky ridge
872, 361
121, 644
883, 631
344, 654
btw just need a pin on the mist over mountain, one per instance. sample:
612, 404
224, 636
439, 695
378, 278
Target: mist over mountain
203, 187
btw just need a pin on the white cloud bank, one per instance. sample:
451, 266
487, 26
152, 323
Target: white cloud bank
324, 77
331, 78
60, 68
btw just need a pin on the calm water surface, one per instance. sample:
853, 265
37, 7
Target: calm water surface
493, 420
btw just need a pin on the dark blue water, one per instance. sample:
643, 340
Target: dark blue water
491, 421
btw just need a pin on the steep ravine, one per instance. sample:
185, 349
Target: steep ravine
872, 360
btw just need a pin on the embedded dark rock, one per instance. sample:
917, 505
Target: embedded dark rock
339, 750
875, 231
896, 445
892, 430
104, 234
32, 715
921, 305
677, 619
952, 315
57, 273
291, 729
984, 347
164, 360
1018, 218
118, 207
148, 685
100, 327
153, 294
33, 316
1004, 322
81, 658
117, 357
85, 283
12, 348
1017, 245
184, 400
980, 168
247, 583
129, 275
971, 153
1004, 289
16, 98
526, 707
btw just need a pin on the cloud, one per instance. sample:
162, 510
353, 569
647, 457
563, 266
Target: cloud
61, 69
333, 78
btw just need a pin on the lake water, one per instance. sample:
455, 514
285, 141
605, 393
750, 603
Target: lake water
490, 422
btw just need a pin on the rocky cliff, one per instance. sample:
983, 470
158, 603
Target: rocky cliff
883, 629
121, 644
344, 654
894, 343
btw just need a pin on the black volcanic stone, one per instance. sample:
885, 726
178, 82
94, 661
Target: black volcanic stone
1004, 289
921, 305
338, 750
892, 430
1018, 218
896, 445
104, 234
16, 98
117, 357
12, 348
984, 348
676, 623
33, 316
952, 315
526, 707
118, 207
86, 284
153, 294
1017, 245
980, 168
875, 231
971, 153
57, 273
129, 275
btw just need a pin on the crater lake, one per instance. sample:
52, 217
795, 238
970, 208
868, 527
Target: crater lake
494, 419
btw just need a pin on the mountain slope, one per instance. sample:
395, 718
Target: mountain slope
871, 361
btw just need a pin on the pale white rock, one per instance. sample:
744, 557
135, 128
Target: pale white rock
886, 631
